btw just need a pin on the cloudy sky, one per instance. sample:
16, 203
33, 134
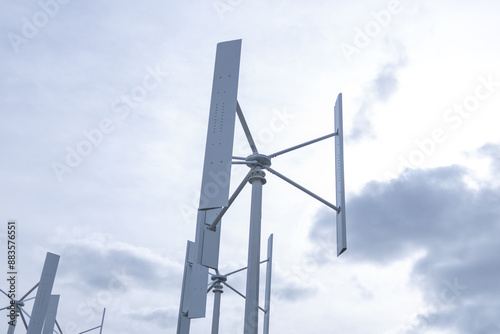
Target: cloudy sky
103, 116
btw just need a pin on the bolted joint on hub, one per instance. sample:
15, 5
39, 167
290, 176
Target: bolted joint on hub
257, 174
220, 278
258, 159
218, 288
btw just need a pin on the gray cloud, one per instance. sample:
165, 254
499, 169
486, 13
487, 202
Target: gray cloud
97, 260
456, 227
291, 292
383, 86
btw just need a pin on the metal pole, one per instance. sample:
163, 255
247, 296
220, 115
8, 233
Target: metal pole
215, 320
257, 179
11, 328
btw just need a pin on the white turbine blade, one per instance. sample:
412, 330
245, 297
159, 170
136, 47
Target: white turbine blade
194, 289
43, 294
220, 135
339, 177
267, 298
50, 317
197, 288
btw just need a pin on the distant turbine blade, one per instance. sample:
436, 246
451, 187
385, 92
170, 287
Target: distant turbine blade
207, 239
339, 178
244, 124
220, 135
267, 300
43, 294
50, 317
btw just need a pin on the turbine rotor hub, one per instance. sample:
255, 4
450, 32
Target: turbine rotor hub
261, 159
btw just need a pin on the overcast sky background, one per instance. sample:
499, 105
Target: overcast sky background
421, 90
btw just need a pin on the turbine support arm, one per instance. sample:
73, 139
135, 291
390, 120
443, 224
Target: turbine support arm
304, 144
239, 293
310, 193
244, 124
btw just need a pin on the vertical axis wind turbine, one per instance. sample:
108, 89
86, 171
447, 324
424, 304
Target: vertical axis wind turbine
219, 280
214, 202
43, 314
